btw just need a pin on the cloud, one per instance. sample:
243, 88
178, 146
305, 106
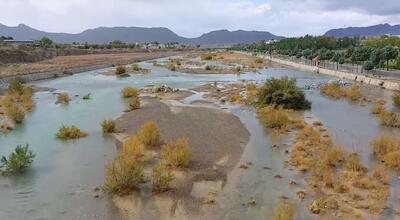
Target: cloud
194, 17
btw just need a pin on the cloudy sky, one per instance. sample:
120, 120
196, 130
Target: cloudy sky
193, 17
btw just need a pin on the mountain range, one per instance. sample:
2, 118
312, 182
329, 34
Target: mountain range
137, 35
371, 31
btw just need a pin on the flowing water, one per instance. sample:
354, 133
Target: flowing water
61, 181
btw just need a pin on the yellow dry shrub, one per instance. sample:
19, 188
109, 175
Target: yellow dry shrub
123, 175
354, 93
132, 148
275, 117
384, 144
333, 90
161, 178
284, 211
149, 134
108, 126
63, 98
15, 113
129, 92
178, 153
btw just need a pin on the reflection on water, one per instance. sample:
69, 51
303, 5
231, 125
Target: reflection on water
64, 174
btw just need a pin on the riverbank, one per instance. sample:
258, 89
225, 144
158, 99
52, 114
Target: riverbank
215, 152
68, 65
383, 83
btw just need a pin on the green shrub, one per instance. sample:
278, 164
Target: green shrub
282, 92
120, 70
108, 126
161, 178
67, 133
396, 99
134, 103
86, 97
123, 175
18, 161
149, 134
178, 153
129, 92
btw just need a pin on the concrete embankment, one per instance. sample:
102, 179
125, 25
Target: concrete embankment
49, 75
386, 84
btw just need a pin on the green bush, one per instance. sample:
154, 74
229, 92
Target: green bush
67, 133
283, 92
18, 161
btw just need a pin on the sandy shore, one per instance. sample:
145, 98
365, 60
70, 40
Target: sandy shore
217, 139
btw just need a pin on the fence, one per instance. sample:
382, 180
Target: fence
341, 67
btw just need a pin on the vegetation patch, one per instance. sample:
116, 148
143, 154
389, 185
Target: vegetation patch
149, 134
275, 117
129, 92
123, 175
108, 126
133, 148
68, 133
120, 70
18, 161
284, 211
178, 153
396, 98
387, 149
63, 98
336, 91
134, 103
161, 178
17, 101
283, 92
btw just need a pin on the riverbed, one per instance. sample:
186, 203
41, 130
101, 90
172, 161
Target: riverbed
61, 181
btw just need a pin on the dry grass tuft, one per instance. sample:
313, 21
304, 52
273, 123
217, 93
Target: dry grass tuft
67, 133
108, 126
120, 70
275, 117
63, 98
16, 113
161, 178
284, 211
149, 134
334, 90
129, 92
178, 153
396, 99
133, 148
123, 175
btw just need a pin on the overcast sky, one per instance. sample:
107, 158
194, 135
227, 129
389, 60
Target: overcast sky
193, 17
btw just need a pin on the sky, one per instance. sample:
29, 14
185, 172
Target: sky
191, 18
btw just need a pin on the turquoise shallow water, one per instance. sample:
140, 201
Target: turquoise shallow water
60, 183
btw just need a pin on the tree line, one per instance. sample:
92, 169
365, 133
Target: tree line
371, 53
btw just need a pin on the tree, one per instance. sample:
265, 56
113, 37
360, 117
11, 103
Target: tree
46, 42
389, 53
